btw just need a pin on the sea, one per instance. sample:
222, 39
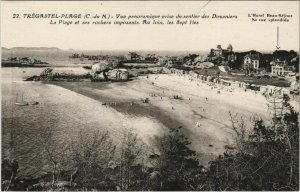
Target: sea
57, 119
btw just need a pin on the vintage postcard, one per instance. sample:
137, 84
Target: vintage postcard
150, 95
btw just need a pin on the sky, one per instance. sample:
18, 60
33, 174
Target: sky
242, 33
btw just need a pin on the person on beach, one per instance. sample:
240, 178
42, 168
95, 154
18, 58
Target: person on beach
198, 124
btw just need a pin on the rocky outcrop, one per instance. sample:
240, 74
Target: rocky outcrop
100, 67
99, 77
118, 74
51, 75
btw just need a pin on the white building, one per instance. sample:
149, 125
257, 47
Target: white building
251, 61
281, 68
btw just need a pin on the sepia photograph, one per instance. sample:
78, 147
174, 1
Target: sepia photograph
150, 95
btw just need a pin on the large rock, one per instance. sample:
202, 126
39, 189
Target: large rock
100, 77
118, 74
223, 68
204, 65
99, 67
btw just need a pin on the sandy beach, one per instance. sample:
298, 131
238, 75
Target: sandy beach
205, 121
67, 107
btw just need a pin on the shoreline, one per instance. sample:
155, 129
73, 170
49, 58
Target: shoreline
64, 111
70, 106
193, 108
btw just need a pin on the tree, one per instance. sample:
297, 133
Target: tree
267, 160
91, 153
134, 56
190, 58
238, 64
295, 63
177, 165
53, 150
9, 173
284, 54
131, 175
265, 61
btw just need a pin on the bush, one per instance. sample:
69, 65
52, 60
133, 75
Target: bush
177, 165
268, 160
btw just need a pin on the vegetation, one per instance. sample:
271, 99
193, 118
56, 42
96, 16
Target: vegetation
265, 59
131, 175
91, 154
265, 157
177, 166
284, 55
190, 59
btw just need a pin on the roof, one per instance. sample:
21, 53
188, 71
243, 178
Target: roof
278, 62
295, 59
253, 56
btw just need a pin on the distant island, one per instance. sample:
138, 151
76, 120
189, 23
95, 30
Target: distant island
22, 62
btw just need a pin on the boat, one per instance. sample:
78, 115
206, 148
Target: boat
34, 103
21, 103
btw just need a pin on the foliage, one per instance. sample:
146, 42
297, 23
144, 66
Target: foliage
177, 165
268, 159
189, 59
265, 157
8, 174
295, 63
284, 55
91, 153
134, 56
131, 175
